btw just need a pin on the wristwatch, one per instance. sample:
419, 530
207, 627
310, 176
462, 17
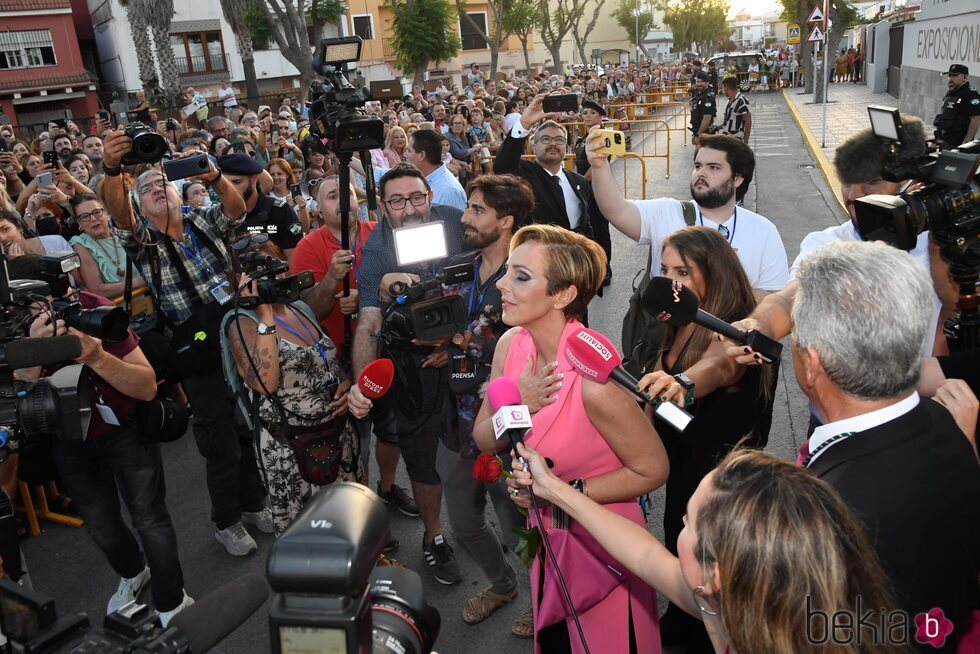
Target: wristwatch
688, 385
264, 329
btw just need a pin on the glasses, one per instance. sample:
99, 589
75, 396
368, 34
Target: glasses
723, 231
397, 203
155, 184
548, 140
94, 214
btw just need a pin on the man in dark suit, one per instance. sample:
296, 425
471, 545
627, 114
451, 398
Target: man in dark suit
899, 462
561, 197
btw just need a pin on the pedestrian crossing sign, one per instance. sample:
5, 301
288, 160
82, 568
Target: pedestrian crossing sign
794, 34
816, 36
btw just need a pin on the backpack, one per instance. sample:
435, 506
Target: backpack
642, 334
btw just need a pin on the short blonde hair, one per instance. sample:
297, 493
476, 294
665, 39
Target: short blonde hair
573, 260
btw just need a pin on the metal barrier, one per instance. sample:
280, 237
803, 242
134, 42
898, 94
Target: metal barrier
569, 164
645, 141
668, 112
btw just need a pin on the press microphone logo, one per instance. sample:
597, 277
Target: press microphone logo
369, 385
517, 414
595, 344
498, 423
676, 286
664, 316
586, 370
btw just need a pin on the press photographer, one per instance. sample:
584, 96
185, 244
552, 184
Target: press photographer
410, 420
114, 459
186, 264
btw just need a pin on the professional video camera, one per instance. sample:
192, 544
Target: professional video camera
148, 146
409, 316
336, 106
265, 269
328, 596
108, 323
946, 202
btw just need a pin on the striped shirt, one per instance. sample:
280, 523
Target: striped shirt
735, 111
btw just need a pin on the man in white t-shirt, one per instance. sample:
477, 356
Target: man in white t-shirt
227, 96
723, 168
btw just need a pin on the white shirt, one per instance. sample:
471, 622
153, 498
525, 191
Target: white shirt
573, 206
860, 423
754, 238
846, 233
511, 120
228, 97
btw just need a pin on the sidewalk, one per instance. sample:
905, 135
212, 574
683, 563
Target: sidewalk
847, 114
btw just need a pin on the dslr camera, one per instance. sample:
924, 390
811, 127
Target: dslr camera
410, 316
328, 596
148, 146
265, 269
106, 323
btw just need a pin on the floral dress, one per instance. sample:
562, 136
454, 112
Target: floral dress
305, 378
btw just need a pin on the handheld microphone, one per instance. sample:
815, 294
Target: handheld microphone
209, 620
594, 356
673, 303
511, 418
376, 378
44, 351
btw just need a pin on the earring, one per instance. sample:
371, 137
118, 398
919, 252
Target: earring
699, 592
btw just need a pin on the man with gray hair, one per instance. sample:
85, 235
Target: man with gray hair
901, 464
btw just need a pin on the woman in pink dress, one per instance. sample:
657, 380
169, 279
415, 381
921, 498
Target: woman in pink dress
596, 435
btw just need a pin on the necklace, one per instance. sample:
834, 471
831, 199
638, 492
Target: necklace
115, 248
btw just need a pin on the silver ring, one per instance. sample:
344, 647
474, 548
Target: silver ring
514, 492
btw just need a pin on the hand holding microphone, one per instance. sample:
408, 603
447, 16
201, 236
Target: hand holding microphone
373, 382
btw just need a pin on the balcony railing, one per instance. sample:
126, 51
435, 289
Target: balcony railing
387, 49
200, 64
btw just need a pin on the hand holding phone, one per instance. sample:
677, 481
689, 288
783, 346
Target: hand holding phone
50, 158
560, 102
613, 142
44, 180
295, 190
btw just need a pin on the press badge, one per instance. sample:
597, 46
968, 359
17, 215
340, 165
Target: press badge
221, 291
108, 415
462, 372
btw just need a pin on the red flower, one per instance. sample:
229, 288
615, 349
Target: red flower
487, 468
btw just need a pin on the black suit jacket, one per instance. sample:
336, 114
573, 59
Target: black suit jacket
549, 202
914, 483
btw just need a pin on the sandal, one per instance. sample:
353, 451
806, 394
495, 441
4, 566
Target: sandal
482, 606
524, 625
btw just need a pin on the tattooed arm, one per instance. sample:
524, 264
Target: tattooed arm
263, 350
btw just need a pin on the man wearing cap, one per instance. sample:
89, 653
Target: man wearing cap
960, 116
265, 215
703, 106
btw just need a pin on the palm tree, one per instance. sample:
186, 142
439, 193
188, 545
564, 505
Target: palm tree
234, 11
144, 49
158, 14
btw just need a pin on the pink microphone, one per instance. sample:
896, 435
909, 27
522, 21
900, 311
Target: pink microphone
511, 418
594, 356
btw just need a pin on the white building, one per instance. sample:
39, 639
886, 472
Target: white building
659, 44
747, 33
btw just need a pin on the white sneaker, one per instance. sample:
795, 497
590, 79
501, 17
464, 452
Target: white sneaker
236, 540
261, 520
128, 591
167, 616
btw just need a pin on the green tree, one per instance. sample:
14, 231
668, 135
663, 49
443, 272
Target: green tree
288, 21
417, 37
522, 18
496, 33
625, 18
698, 22
582, 29
841, 15
557, 17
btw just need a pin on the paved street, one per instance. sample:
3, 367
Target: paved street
847, 111
787, 188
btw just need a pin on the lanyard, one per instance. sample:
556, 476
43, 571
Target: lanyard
722, 228
196, 254
313, 342
472, 310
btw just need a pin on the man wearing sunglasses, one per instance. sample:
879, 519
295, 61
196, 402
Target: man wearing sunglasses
409, 419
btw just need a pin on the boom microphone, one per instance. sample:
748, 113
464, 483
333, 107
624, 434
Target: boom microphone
376, 378
595, 357
44, 351
673, 303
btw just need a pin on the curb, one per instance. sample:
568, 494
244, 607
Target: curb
826, 168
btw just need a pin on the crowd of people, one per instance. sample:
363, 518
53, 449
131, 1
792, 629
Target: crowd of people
879, 512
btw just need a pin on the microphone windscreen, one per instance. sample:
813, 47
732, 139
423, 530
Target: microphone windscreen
44, 351
210, 619
670, 302
502, 391
376, 378
592, 354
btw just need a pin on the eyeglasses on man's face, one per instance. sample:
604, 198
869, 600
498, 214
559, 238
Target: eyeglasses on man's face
548, 140
398, 203
150, 186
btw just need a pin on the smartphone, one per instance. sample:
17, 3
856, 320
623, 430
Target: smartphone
3, 145
104, 116
615, 142
295, 190
559, 103
61, 122
44, 180
50, 157
186, 167
275, 135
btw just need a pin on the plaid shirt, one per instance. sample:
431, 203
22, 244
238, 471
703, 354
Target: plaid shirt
174, 299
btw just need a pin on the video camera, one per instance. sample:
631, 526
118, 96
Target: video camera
108, 323
265, 269
411, 317
946, 202
328, 596
337, 113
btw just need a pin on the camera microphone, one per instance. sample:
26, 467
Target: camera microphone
376, 378
593, 356
44, 351
673, 303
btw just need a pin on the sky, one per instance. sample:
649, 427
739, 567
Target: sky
755, 7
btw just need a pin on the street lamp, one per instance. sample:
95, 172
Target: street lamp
636, 16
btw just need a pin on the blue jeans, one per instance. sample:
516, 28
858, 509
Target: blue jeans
95, 473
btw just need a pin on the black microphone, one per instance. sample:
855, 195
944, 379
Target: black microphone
208, 621
44, 351
675, 304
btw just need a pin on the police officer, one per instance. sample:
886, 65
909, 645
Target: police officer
703, 106
265, 215
960, 116
592, 114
